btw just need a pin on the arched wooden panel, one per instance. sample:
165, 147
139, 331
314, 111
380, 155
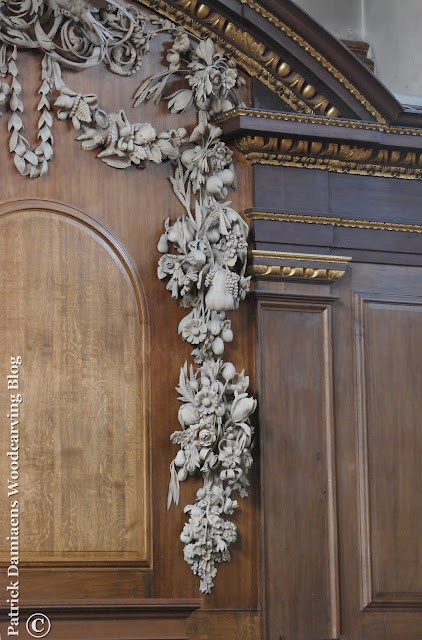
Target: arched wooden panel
72, 309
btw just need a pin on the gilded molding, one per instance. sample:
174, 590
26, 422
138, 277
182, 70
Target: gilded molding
315, 54
331, 156
253, 56
283, 255
335, 221
320, 120
303, 273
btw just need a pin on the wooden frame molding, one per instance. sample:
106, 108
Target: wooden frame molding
334, 221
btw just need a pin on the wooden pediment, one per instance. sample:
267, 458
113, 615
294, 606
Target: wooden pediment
276, 42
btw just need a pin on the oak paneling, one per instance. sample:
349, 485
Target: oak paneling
388, 332
132, 205
74, 314
298, 475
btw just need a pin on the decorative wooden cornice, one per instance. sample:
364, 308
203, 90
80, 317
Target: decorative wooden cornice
253, 55
297, 266
288, 52
339, 145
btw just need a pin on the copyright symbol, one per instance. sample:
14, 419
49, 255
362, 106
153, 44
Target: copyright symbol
38, 625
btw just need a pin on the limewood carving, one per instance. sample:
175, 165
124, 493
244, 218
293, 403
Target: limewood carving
205, 249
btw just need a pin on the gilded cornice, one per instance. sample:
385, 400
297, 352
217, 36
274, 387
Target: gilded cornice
256, 6
285, 255
320, 120
302, 273
332, 156
302, 266
334, 221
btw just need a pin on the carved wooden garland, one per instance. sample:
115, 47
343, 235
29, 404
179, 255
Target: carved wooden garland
205, 250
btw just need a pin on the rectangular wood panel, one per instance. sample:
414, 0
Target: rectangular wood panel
300, 528
388, 332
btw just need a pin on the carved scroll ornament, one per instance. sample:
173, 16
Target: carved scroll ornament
205, 249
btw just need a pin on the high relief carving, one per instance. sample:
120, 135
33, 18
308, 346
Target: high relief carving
205, 249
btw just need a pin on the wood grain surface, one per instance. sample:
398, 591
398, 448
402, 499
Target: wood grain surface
132, 206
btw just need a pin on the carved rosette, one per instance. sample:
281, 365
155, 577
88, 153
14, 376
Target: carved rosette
205, 249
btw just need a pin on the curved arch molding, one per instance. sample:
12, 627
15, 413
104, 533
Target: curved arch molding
75, 314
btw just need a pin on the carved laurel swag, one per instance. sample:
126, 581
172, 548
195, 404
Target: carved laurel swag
204, 250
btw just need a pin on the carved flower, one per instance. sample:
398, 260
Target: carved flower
194, 331
208, 398
167, 265
207, 437
230, 455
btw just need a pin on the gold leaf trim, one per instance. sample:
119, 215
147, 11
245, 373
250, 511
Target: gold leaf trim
306, 273
314, 257
337, 166
315, 54
336, 222
321, 120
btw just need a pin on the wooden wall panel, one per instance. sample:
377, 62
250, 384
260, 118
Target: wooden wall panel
388, 332
132, 205
298, 476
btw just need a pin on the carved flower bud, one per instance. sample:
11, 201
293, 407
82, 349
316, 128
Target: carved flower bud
242, 409
227, 335
180, 459
188, 415
218, 346
214, 326
182, 474
205, 381
228, 372
220, 410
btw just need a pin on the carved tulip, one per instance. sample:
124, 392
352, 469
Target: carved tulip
242, 408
